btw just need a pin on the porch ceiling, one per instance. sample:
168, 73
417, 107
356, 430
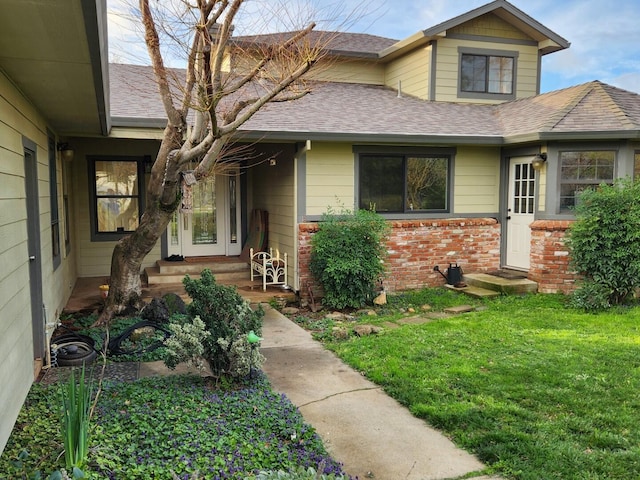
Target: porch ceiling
55, 52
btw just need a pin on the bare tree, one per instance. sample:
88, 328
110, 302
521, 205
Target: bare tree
204, 110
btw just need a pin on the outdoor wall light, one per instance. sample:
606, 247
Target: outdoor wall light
538, 161
66, 152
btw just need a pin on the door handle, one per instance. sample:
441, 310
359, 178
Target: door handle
32, 258
508, 217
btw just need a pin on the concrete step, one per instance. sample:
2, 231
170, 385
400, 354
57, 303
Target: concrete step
506, 286
476, 292
154, 276
226, 264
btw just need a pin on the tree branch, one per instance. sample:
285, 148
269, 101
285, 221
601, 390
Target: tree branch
153, 46
268, 97
268, 58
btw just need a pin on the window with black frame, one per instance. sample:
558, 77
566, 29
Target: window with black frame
392, 183
116, 195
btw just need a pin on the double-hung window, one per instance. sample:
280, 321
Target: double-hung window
580, 170
489, 74
404, 183
116, 190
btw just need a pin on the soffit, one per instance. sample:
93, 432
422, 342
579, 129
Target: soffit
54, 52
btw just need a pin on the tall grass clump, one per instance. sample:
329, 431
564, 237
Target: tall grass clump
75, 397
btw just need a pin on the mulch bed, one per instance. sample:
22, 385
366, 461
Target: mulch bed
118, 371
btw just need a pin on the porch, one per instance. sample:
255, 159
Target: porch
166, 277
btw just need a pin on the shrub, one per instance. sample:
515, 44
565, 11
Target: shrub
228, 318
604, 242
347, 254
186, 344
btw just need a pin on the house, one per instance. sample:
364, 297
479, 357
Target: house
445, 132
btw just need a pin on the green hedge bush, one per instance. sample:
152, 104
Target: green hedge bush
347, 257
228, 319
604, 243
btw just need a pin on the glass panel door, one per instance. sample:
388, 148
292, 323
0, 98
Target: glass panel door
213, 227
201, 230
520, 213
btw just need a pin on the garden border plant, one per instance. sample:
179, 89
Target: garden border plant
347, 256
604, 243
217, 328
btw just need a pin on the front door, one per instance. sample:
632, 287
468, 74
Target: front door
520, 212
33, 245
211, 225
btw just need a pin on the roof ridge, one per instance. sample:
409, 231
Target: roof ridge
624, 116
582, 91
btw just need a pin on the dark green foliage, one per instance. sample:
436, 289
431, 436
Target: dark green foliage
184, 424
228, 318
347, 257
605, 244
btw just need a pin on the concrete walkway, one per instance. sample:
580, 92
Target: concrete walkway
371, 434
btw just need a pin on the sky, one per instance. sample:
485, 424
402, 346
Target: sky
604, 34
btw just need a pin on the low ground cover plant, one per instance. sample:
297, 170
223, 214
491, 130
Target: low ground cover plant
155, 426
536, 389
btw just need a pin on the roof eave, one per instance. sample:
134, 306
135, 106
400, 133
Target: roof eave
408, 139
548, 40
570, 136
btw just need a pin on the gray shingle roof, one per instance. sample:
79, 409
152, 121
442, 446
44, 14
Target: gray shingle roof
350, 44
589, 107
356, 111
342, 108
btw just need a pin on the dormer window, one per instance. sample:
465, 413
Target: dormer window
487, 74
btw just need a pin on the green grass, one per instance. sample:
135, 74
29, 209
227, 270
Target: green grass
535, 389
155, 426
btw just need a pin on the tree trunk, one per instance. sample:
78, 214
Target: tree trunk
125, 288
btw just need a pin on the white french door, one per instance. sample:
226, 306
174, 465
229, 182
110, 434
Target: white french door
212, 225
520, 212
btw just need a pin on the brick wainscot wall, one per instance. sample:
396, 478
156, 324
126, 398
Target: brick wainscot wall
416, 246
550, 257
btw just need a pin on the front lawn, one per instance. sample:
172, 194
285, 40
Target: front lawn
155, 426
536, 390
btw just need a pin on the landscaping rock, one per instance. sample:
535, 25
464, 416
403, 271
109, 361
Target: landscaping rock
425, 307
290, 311
417, 320
380, 299
156, 311
340, 333
336, 316
460, 309
364, 330
175, 303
